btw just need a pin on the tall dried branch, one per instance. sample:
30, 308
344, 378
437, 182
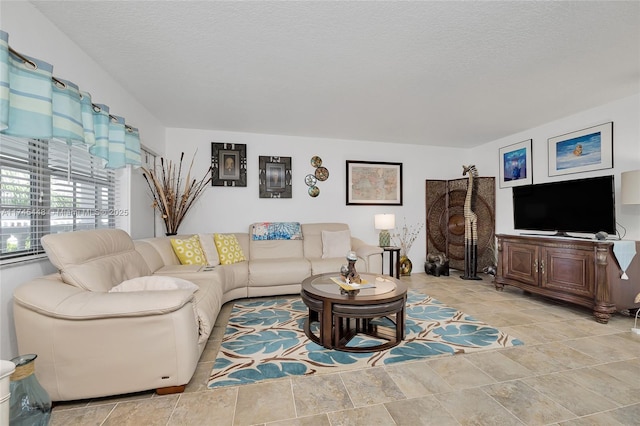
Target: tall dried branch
406, 238
170, 197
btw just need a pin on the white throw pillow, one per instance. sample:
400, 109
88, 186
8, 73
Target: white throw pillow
336, 243
154, 282
209, 248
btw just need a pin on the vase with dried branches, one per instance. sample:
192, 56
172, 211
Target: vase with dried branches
173, 194
405, 240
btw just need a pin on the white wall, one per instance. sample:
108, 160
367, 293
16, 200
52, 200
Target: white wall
230, 209
625, 115
32, 34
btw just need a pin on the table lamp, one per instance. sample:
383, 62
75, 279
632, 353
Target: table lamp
385, 222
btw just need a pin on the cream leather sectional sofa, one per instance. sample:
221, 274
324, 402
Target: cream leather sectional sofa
92, 342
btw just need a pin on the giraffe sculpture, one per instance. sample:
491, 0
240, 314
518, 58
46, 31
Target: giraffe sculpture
470, 228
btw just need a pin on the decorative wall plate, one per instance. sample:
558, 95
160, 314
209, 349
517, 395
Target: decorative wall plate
322, 173
314, 191
316, 161
310, 180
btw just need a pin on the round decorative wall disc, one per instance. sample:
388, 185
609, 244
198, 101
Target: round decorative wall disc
314, 191
310, 180
316, 161
322, 173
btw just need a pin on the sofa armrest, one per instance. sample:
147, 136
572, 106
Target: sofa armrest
370, 254
93, 344
60, 300
363, 249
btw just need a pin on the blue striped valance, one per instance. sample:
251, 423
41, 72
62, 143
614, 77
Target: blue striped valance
35, 104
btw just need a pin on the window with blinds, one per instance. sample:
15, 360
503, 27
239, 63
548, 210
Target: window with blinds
48, 186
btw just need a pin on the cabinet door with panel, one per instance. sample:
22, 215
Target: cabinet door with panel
520, 262
568, 270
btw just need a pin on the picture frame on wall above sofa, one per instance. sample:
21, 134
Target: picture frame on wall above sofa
275, 177
374, 183
582, 151
228, 164
516, 164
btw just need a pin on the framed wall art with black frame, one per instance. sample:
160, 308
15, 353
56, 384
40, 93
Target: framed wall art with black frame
374, 183
515, 165
228, 164
582, 151
275, 177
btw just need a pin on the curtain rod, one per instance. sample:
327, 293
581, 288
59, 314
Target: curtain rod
61, 84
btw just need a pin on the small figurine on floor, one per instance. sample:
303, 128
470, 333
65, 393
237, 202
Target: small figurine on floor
437, 264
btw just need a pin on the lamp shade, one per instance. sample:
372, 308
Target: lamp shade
385, 221
631, 187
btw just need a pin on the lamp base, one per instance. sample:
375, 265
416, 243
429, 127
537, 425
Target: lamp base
385, 238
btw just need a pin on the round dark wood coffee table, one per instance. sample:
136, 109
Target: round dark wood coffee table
341, 317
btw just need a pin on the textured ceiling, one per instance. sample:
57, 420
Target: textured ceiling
433, 73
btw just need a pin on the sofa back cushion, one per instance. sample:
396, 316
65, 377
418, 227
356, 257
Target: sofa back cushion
95, 260
149, 251
312, 233
209, 249
274, 248
163, 252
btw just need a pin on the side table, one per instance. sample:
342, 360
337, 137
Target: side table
393, 252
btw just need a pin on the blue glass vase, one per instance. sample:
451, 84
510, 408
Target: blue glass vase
29, 403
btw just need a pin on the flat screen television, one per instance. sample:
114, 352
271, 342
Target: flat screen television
581, 205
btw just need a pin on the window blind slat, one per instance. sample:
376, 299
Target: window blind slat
49, 186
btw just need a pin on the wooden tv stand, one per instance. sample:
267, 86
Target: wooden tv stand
566, 269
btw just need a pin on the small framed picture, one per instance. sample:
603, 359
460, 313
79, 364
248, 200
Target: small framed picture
228, 164
374, 183
275, 177
582, 151
515, 165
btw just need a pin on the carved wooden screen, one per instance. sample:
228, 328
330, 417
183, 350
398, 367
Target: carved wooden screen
445, 218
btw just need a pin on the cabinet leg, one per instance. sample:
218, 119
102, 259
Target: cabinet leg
602, 312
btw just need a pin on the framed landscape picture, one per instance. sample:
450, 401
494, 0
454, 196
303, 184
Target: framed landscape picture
374, 183
515, 165
275, 177
582, 151
228, 164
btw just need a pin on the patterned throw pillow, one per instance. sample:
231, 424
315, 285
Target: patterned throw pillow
189, 251
229, 249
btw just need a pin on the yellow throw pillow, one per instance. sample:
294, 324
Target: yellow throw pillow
189, 251
229, 249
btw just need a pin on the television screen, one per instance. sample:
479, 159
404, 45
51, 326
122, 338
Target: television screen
582, 205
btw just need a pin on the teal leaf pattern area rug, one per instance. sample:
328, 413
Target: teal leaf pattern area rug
265, 340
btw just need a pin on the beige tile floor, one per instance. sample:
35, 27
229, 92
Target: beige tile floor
571, 371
